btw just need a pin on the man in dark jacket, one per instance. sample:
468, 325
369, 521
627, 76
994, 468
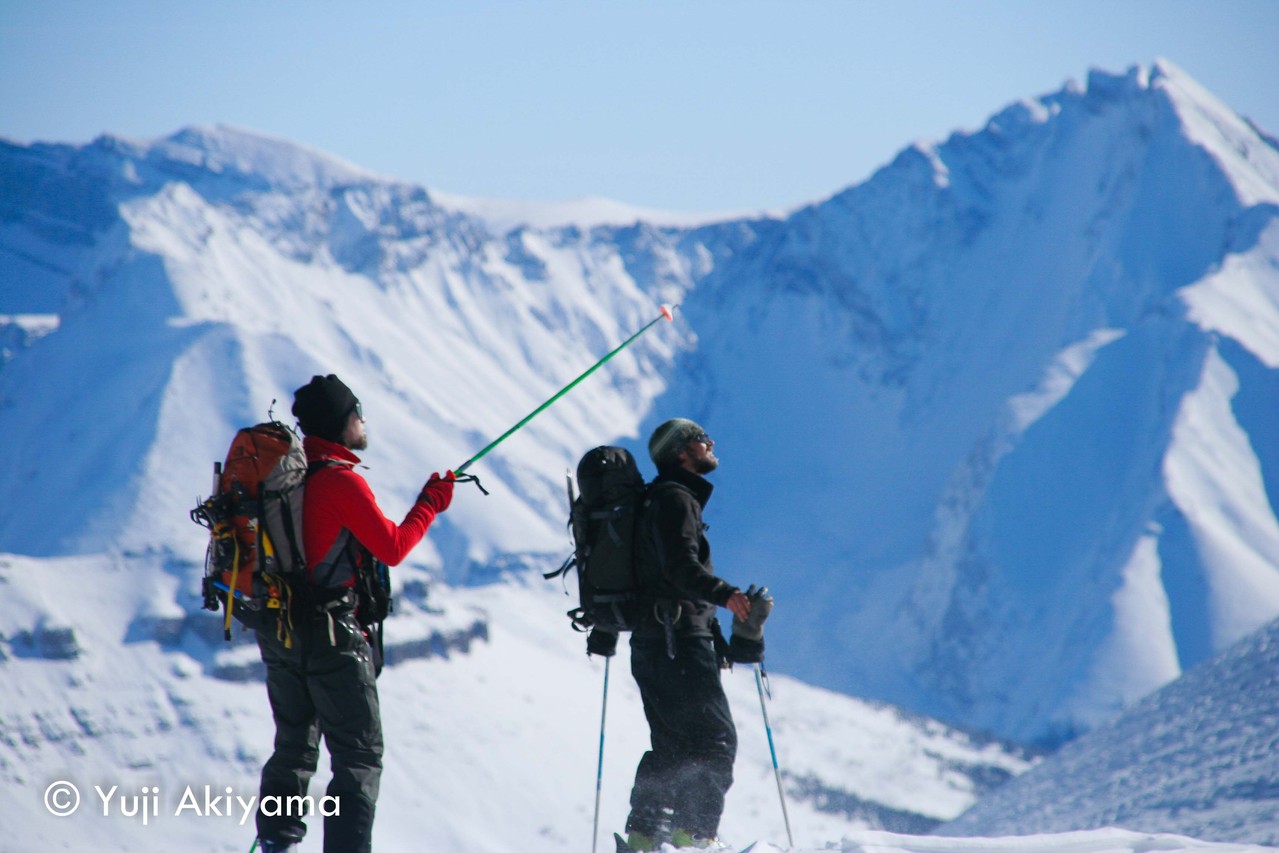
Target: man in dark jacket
326, 681
681, 781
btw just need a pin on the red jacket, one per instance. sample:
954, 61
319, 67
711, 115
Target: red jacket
338, 499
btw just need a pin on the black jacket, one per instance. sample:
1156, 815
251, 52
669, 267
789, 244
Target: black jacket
677, 568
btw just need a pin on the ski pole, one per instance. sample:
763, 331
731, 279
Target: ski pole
667, 314
759, 683
599, 768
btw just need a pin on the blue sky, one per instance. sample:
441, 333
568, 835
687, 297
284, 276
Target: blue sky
700, 105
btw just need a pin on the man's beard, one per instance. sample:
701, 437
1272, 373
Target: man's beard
706, 464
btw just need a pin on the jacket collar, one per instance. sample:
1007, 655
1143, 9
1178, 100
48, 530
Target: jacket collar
695, 483
322, 450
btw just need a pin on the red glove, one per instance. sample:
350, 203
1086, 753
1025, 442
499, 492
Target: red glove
438, 492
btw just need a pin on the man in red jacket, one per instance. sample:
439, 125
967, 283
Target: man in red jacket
326, 682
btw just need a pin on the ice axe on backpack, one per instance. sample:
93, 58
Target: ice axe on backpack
668, 313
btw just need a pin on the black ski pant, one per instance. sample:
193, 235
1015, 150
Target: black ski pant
681, 782
324, 685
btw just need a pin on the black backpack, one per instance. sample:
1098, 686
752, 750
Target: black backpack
604, 521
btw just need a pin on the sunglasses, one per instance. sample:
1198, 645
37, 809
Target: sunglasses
358, 409
702, 438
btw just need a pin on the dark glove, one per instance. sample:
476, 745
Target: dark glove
747, 643
601, 642
438, 492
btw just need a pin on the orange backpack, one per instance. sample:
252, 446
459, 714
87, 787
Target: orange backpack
255, 562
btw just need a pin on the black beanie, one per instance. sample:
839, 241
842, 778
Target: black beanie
323, 406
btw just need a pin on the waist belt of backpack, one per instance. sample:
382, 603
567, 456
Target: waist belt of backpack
615, 602
667, 612
345, 599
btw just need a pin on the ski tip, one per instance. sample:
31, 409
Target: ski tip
668, 311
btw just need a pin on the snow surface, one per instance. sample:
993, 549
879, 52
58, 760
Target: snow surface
493, 747
489, 750
1197, 757
1101, 841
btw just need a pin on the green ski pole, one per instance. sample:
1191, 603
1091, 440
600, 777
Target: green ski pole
667, 314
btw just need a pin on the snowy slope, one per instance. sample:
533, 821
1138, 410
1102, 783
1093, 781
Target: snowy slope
1197, 757
1101, 841
491, 749
997, 424
116, 678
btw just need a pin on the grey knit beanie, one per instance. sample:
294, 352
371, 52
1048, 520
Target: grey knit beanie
669, 439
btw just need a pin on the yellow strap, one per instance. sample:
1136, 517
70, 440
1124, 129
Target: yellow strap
230, 593
288, 615
282, 606
284, 621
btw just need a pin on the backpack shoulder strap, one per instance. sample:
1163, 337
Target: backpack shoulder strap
653, 490
320, 464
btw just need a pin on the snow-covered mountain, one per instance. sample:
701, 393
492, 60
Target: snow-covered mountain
185, 309
1197, 757
200, 276
1002, 419
997, 425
